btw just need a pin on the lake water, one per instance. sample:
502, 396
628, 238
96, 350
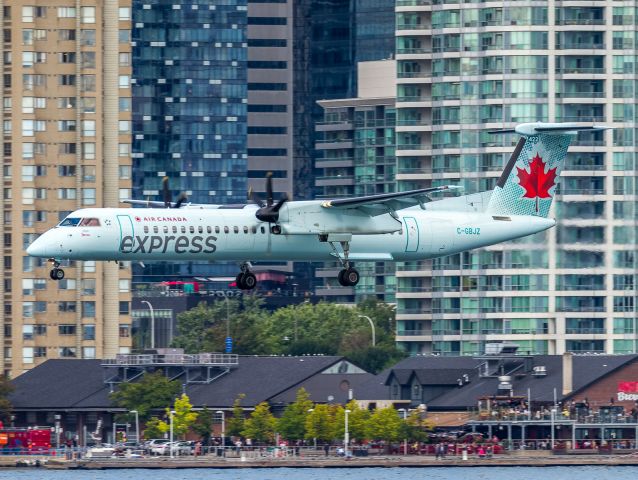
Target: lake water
460, 473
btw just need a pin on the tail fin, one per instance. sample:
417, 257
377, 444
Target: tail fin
528, 183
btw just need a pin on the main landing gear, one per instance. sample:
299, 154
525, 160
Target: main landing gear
56, 272
246, 279
348, 276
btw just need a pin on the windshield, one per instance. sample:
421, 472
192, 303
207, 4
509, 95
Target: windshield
70, 222
90, 222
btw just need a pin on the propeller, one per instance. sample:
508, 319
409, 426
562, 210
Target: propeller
166, 194
270, 211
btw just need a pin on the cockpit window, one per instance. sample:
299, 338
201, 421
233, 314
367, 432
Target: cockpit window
70, 222
90, 222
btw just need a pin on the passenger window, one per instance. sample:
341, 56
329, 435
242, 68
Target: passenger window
183, 229
236, 229
263, 230
191, 229
200, 229
145, 229
155, 229
165, 228
245, 229
225, 229
209, 229
253, 229
216, 229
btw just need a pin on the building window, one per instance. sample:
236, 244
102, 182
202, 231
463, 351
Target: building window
27, 354
88, 352
88, 14
88, 309
67, 329
67, 352
88, 332
124, 308
88, 196
125, 330
66, 12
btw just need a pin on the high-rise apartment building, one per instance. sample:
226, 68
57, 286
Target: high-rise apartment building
356, 157
465, 68
66, 125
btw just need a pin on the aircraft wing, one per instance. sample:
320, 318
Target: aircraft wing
374, 205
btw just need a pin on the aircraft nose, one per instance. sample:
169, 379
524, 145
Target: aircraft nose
37, 249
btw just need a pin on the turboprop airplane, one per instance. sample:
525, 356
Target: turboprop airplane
398, 227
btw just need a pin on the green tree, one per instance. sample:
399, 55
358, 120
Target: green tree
320, 423
153, 391
416, 426
385, 424
358, 420
205, 327
292, 423
261, 424
204, 425
184, 417
235, 423
154, 428
5, 405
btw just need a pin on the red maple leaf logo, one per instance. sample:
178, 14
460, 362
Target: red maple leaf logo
537, 183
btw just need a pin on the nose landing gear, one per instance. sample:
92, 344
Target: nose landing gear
246, 279
56, 272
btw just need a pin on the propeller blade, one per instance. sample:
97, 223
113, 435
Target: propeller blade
253, 197
269, 199
181, 199
166, 193
277, 206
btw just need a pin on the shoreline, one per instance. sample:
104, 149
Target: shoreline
374, 462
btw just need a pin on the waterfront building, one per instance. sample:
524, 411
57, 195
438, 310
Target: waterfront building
66, 124
78, 392
466, 68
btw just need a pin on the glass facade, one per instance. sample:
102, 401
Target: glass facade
189, 99
189, 107
572, 288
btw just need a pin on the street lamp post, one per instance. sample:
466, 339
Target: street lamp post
137, 425
374, 336
150, 307
553, 417
405, 418
310, 410
170, 445
223, 414
346, 435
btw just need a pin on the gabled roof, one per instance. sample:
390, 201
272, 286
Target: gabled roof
586, 370
78, 384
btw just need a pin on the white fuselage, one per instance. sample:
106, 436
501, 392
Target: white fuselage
221, 234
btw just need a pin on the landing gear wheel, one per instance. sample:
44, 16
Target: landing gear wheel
348, 277
56, 274
351, 276
249, 281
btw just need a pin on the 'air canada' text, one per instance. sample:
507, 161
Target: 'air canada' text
162, 244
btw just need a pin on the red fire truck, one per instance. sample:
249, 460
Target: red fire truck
25, 440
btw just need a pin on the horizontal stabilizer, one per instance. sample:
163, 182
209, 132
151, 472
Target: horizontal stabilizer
527, 129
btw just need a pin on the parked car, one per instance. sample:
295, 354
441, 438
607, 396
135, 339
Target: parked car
156, 446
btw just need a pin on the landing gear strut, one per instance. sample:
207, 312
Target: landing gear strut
246, 279
348, 276
56, 272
